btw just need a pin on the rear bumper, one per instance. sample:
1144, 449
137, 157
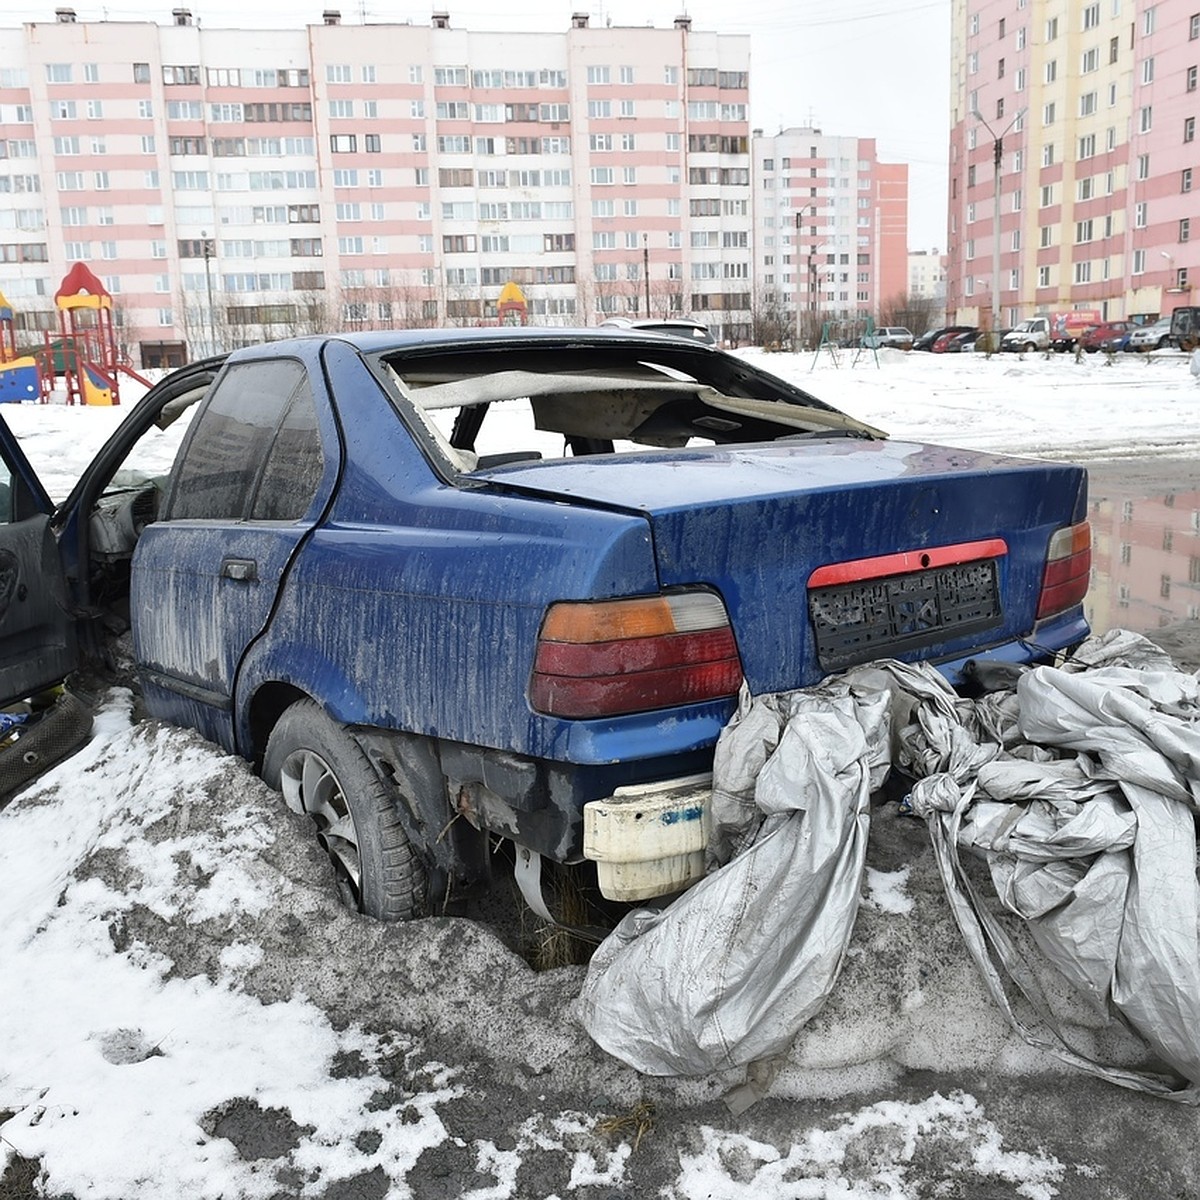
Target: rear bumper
649, 839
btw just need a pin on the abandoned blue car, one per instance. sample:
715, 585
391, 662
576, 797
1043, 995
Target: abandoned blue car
444, 587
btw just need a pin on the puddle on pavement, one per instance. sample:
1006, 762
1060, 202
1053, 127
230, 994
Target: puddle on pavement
1145, 557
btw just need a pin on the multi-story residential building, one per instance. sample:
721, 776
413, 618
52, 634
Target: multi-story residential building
1084, 115
927, 282
229, 185
830, 229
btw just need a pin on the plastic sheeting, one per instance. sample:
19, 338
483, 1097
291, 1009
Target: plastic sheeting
1078, 786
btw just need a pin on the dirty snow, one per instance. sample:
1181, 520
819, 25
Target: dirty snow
186, 1013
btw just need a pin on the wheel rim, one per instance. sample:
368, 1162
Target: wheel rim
310, 786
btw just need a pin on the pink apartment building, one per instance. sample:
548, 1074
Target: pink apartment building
831, 230
229, 186
1081, 122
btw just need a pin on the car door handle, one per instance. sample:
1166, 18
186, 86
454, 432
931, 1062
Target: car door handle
243, 570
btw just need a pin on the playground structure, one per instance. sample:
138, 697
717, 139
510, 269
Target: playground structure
511, 307
20, 374
83, 353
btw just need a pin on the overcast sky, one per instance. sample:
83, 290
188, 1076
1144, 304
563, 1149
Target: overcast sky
854, 68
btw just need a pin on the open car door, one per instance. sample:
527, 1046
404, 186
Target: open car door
38, 646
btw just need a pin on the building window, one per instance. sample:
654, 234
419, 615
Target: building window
1146, 118
1043, 277
1091, 16
1087, 104
1185, 229
1147, 70
1052, 70
1148, 22
1139, 262
1139, 215
1143, 166
1051, 31
1048, 114
1189, 129
1114, 49
1185, 179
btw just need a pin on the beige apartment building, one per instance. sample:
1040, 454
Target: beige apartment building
228, 186
1073, 158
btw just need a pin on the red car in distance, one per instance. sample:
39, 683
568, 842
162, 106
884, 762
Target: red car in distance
1105, 337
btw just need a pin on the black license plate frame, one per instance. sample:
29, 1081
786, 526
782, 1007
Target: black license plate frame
893, 615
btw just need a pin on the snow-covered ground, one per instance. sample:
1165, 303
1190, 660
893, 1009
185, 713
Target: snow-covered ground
184, 1011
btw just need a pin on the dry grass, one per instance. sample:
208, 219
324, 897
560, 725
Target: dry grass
549, 946
634, 1124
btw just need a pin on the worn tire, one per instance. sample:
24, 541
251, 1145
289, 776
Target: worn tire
323, 773
57, 733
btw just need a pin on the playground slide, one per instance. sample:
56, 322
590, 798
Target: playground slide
98, 387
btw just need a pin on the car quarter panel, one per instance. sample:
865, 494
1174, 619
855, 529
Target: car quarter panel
416, 604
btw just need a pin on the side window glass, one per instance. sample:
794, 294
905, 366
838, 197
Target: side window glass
294, 465
224, 452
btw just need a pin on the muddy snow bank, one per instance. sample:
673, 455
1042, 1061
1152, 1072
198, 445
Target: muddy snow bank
190, 1013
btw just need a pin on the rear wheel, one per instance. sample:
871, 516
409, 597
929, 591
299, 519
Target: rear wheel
1030, 347
324, 774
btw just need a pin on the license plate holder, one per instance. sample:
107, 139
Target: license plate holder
889, 616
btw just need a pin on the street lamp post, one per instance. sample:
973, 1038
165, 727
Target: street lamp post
1170, 270
810, 211
997, 156
212, 319
646, 269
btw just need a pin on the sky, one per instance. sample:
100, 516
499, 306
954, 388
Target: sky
188, 1017
852, 68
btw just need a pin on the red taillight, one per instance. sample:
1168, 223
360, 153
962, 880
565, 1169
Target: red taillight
602, 658
1068, 570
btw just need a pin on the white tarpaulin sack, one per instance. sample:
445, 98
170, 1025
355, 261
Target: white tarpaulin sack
729, 973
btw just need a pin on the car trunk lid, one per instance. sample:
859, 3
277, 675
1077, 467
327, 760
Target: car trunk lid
832, 552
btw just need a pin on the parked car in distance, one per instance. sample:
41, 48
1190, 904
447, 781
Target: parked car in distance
1105, 337
1151, 337
446, 587
692, 331
894, 336
962, 341
927, 339
1031, 334
1185, 327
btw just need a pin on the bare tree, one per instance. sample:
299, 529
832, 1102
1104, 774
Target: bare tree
772, 324
914, 312
666, 297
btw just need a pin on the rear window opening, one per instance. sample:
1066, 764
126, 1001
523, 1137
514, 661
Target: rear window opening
491, 411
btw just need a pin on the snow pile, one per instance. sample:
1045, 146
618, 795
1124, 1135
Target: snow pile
192, 1014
